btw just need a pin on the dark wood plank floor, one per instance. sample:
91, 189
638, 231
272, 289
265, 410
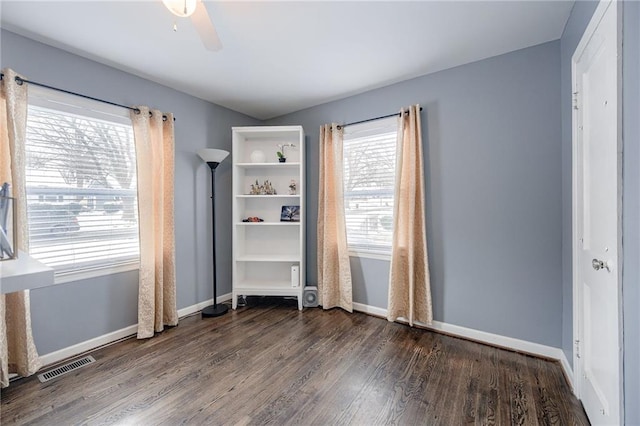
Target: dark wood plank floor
271, 364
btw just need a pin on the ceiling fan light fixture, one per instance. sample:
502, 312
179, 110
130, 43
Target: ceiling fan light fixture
181, 8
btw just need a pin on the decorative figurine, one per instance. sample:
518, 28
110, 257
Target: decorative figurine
265, 189
255, 188
292, 187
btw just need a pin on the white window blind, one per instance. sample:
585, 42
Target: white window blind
81, 184
369, 175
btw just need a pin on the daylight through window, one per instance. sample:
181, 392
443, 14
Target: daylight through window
369, 174
81, 184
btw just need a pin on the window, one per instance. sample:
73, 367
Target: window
81, 185
369, 175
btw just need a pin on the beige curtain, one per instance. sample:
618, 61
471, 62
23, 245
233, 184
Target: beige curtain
334, 271
409, 287
18, 352
154, 138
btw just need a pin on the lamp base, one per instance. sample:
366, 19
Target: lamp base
214, 311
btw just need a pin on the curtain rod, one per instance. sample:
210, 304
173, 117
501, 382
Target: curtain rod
341, 126
21, 81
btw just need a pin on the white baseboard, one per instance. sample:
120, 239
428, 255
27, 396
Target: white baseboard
199, 306
568, 371
87, 345
371, 310
105, 339
455, 330
484, 337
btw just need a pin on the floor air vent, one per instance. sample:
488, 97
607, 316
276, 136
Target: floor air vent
66, 368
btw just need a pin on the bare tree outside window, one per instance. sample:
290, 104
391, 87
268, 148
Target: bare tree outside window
369, 175
86, 153
369, 164
81, 187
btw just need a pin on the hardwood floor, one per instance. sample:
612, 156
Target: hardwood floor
271, 364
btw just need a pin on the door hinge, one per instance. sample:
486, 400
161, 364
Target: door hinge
577, 342
575, 100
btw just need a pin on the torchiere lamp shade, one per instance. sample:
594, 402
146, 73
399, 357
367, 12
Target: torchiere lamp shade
211, 155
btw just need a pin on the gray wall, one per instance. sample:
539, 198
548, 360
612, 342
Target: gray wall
67, 314
492, 148
631, 210
578, 21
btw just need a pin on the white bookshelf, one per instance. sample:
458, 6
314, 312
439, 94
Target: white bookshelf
264, 252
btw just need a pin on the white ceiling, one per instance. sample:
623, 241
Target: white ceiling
280, 57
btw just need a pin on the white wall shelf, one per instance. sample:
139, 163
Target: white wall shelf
268, 165
265, 252
267, 196
267, 258
265, 288
268, 224
24, 273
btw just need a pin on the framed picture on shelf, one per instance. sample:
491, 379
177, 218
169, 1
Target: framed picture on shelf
290, 214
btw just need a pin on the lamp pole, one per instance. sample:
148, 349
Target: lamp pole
214, 310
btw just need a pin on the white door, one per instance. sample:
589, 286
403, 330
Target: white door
595, 217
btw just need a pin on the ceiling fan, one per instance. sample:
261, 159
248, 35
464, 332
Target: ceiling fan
200, 19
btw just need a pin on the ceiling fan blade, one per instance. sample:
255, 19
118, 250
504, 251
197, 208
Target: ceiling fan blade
205, 28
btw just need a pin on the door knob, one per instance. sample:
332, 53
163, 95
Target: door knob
599, 264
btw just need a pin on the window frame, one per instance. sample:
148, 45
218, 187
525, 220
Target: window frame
374, 128
93, 110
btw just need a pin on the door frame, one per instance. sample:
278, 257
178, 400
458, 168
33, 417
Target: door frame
602, 7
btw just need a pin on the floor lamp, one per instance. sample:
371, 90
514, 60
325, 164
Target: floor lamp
213, 157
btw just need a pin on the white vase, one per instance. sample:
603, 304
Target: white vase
257, 156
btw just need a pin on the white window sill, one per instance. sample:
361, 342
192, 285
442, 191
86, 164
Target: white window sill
67, 277
370, 255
